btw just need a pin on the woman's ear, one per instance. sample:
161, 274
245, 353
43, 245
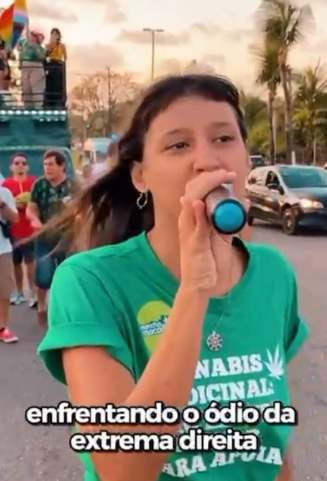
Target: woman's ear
138, 177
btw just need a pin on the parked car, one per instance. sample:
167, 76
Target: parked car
257, 161
292, 196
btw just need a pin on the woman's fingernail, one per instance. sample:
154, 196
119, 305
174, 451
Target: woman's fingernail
182, 200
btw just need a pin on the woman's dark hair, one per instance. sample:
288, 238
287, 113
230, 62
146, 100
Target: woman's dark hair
107, 210
57, 31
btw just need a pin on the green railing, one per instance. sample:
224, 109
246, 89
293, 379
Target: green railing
34, 86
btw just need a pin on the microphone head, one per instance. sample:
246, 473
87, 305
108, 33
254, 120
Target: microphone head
229, 217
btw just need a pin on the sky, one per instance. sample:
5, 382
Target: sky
109, 33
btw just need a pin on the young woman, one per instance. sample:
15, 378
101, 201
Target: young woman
165, 309
55, 70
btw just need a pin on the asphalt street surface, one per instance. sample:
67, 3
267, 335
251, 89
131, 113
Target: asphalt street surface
42, 453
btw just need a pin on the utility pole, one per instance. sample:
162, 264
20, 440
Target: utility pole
153, 32
85, 115
109, 92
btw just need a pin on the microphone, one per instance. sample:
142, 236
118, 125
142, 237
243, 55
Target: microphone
226, 213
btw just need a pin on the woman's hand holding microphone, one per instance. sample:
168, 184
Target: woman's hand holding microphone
205, 255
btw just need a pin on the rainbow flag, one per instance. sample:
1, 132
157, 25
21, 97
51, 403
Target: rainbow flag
20, 12
20, 21
6, 24
13, 21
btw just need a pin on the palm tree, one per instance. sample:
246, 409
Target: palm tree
268, 76
284, 24
310, 101
254, 109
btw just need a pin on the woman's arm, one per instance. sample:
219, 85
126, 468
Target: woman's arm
94, 379
64, 52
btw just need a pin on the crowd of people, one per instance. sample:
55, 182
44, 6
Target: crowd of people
43, 69
28, 204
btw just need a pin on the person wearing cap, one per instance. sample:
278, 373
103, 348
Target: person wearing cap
32, 55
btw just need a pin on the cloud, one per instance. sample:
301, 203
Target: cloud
169, 66
114, 13
144, 38
239, 35
213, 30
46, 11
97, 3
206, 29
87, 59
317, 46
214, 60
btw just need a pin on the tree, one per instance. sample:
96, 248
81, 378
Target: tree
284, 24
254, 108
98, 100
310, 106
268, 75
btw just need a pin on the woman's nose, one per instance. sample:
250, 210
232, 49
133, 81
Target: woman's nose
206, 158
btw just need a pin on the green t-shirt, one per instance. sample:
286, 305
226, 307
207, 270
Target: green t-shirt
121, 296
50, 199
28, 52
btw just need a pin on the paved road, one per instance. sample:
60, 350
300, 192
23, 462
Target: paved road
33, 454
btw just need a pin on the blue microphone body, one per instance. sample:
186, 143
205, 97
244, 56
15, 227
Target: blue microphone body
226, 213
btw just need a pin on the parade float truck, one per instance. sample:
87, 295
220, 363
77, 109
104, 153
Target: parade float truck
33, 132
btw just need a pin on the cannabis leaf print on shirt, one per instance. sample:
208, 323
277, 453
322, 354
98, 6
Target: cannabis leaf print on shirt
275, 364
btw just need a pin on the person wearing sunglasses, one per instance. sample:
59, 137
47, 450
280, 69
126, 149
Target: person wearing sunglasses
20, 185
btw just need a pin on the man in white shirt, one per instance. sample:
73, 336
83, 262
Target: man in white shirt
8, 215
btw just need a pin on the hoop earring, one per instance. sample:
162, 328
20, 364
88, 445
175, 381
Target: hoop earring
142, 200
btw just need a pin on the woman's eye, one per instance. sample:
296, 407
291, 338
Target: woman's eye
177, 146
223, 138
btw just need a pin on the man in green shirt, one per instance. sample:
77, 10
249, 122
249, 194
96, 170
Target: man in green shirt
48, 198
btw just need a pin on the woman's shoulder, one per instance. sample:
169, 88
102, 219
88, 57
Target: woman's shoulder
100, 261
269, 257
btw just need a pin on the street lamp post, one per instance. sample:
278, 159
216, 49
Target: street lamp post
153, 32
